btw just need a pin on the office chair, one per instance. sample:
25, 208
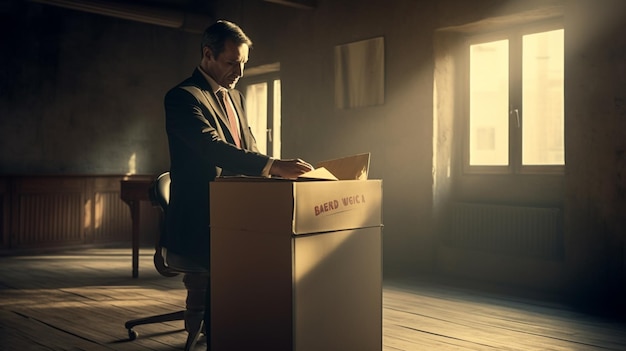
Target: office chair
169, 264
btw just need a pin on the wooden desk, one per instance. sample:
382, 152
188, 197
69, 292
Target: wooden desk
133, 190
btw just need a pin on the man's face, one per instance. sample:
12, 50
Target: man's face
228, 67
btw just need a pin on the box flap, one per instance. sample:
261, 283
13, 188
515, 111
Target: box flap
354, 167
320, 173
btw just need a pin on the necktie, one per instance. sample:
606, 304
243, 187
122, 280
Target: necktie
232, 117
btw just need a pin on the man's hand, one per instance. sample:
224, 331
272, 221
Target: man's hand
290, 169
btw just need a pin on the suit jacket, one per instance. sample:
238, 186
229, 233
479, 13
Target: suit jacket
201, 148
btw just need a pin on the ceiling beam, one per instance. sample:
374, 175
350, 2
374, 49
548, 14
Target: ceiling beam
158, 16
301, 4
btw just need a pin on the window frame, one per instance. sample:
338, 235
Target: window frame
267, 78
515, 37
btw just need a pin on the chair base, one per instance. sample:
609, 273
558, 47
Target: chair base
168, 317
192, 337
193, 315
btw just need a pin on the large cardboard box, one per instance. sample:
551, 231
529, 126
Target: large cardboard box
296, 265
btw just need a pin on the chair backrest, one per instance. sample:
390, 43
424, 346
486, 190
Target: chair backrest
168, 264
160, 196
160, 191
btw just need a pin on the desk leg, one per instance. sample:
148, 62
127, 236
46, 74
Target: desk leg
134, 214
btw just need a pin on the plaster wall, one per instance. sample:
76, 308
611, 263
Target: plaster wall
83, 93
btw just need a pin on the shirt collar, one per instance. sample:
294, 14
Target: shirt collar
214, 86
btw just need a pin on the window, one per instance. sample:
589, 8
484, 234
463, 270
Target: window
515, 100
263, 110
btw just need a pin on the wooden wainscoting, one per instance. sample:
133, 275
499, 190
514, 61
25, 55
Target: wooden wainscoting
62, 210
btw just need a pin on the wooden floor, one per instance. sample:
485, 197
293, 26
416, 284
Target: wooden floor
80, 299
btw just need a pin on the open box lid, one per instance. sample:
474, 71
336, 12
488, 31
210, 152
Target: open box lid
355, 167
305, 205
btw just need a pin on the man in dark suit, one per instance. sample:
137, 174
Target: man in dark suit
204, 143
209, 136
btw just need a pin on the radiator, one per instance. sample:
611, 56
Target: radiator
529, 231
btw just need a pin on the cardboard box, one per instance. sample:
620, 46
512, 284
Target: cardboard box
296, 265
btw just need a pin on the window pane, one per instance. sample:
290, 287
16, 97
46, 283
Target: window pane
542, 106
489, 104
276, 119
256, 105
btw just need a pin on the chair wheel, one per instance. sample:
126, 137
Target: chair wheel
132, 335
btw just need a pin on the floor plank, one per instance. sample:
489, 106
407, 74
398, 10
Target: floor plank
80, 300
489, 322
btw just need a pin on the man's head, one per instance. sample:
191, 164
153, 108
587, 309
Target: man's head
225, 49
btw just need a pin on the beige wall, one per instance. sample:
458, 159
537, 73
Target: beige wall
595, 193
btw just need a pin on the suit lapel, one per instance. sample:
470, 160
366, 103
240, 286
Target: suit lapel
213, 103
211, 100
217, 107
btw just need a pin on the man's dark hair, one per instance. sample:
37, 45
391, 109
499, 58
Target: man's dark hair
216, 34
